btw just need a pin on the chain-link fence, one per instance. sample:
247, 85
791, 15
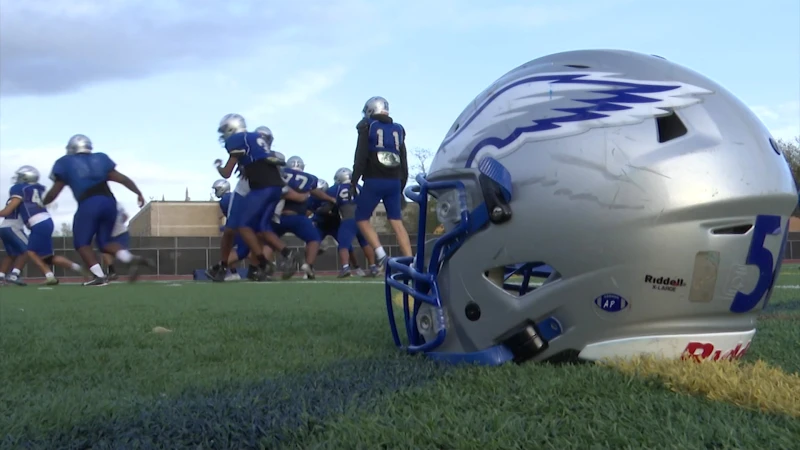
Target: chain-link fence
183, 255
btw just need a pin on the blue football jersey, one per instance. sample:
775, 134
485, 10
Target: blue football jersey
248, 147
301, 182
343, 194
225, 202
386, 137
15, 215
85, 173
253, 154
31, 196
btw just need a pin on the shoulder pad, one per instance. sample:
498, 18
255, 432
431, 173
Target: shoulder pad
363, 123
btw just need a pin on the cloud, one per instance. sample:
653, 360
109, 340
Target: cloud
55, 46
782, 120
296, 91
154, 180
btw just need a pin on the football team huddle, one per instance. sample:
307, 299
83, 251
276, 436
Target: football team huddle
273, 196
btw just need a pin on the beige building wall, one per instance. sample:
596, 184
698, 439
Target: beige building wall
794, 224
159, 218
177, 219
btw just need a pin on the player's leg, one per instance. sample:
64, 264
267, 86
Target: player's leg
15, 277
369, 254
347, 232
40, 250
40, 246
85, 224
287, 264
366, 202
239, 253
257, 217
16, 244
106, 218
374, 191
108, 260
354, 266
236, 208
5, 266
304, 229
124, 240
392, 200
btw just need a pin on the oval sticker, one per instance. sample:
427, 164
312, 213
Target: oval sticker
611, 303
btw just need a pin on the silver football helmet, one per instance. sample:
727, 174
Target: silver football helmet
650, 203
26, 174
343, 175
278, 159
375, 105
266, 133
79, 144
221, 187
231, 124
296, 162
322, 185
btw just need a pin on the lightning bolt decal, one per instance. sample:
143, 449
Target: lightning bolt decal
562, 104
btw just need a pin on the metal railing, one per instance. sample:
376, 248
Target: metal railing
182, 255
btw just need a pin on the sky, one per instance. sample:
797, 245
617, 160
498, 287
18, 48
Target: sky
149, 81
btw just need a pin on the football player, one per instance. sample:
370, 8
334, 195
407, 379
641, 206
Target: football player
326, 219
15, 241
120, 235
345, 193
26, 197
222, 190
253, 153
88, 174
381, 161
293, 218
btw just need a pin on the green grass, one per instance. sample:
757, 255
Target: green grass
305, 365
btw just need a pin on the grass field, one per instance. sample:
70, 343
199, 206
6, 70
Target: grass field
302, 365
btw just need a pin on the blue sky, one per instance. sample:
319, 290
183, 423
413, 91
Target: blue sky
148, 81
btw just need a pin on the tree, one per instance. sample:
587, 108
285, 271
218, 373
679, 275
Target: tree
791, 151
421, 157
411, 217
65, 229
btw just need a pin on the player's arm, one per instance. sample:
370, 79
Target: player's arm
293, 195
13, 203
403, 162
122, 179
362, 151
325, 209
320, 194
51, 195
226, 170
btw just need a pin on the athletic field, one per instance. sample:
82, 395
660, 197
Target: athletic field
306, 365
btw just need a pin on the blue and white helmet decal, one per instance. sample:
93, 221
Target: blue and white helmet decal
547, 106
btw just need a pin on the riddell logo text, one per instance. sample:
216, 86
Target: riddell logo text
664, 283
705, 351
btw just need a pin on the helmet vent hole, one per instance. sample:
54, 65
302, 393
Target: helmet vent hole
576, 66
522, 278
670, 127
734, 230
